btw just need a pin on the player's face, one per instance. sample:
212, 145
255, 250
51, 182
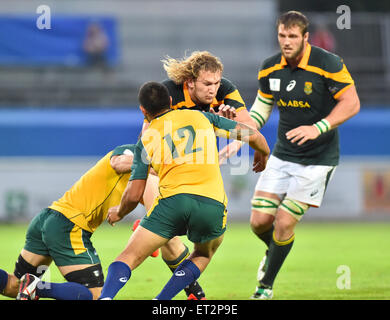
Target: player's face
291, 41
204, 89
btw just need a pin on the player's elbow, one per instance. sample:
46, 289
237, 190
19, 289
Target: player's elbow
121, 164
136, 190
356, 106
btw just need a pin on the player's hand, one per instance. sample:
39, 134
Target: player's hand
259, 161
302, 134
113, 215
225, 111
228, 151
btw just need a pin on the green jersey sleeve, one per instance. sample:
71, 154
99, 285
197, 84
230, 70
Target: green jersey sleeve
140, 167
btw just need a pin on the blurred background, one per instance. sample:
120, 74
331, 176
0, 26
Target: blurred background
70, 71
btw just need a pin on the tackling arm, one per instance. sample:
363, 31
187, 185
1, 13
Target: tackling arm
130, 199
256, 117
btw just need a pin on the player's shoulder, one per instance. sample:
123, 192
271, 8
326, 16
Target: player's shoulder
175, 90
123, 149
225, 88
325, 60
271, 61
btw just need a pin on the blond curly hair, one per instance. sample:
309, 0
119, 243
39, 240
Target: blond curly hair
188, 68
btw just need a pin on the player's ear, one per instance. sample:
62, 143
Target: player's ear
306, 36
190, 83
143, 110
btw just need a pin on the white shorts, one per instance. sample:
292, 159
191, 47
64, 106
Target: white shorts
305, 183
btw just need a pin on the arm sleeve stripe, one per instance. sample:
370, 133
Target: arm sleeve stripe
342, 76
255, 115
265, 95
271, 103
340, 92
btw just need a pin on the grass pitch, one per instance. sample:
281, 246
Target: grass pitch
329, 261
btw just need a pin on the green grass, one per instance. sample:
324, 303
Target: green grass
309, 273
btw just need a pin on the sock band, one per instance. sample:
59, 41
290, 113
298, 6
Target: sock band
284, 242
173, 264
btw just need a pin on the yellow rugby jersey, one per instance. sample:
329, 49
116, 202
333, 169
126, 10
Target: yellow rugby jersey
181, 147
86, 203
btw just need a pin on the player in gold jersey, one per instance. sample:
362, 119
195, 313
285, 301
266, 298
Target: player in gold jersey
62, 233
181, 148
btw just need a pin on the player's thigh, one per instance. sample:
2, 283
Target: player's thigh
203, 252
151, 191
68, 244
34, 259
141, 245
309, 183
173, 249
35, 251
275, 178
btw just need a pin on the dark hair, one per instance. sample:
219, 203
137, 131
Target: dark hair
294, 18
154, 97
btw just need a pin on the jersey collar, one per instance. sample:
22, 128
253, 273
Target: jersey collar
304, 61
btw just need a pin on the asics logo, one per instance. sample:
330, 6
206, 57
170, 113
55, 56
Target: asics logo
291, 85
123, 279
180, 273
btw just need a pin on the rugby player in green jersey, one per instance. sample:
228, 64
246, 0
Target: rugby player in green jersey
315, 94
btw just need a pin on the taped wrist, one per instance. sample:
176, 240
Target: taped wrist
323, 126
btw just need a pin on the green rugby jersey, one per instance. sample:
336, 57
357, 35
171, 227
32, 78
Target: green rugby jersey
227, 94
305, 95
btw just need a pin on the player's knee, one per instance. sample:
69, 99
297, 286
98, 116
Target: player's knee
263, 213
22, 267
173, 249
294, 208
91, 278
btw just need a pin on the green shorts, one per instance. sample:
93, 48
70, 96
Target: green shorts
50, 233
201, 218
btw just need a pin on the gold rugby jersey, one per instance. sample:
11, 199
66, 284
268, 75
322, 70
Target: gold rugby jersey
181, 147
86, 203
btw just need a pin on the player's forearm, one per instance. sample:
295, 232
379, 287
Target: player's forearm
259, 143
244, 117
130, 199
251, 135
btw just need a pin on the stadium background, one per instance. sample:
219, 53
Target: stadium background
58, 115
